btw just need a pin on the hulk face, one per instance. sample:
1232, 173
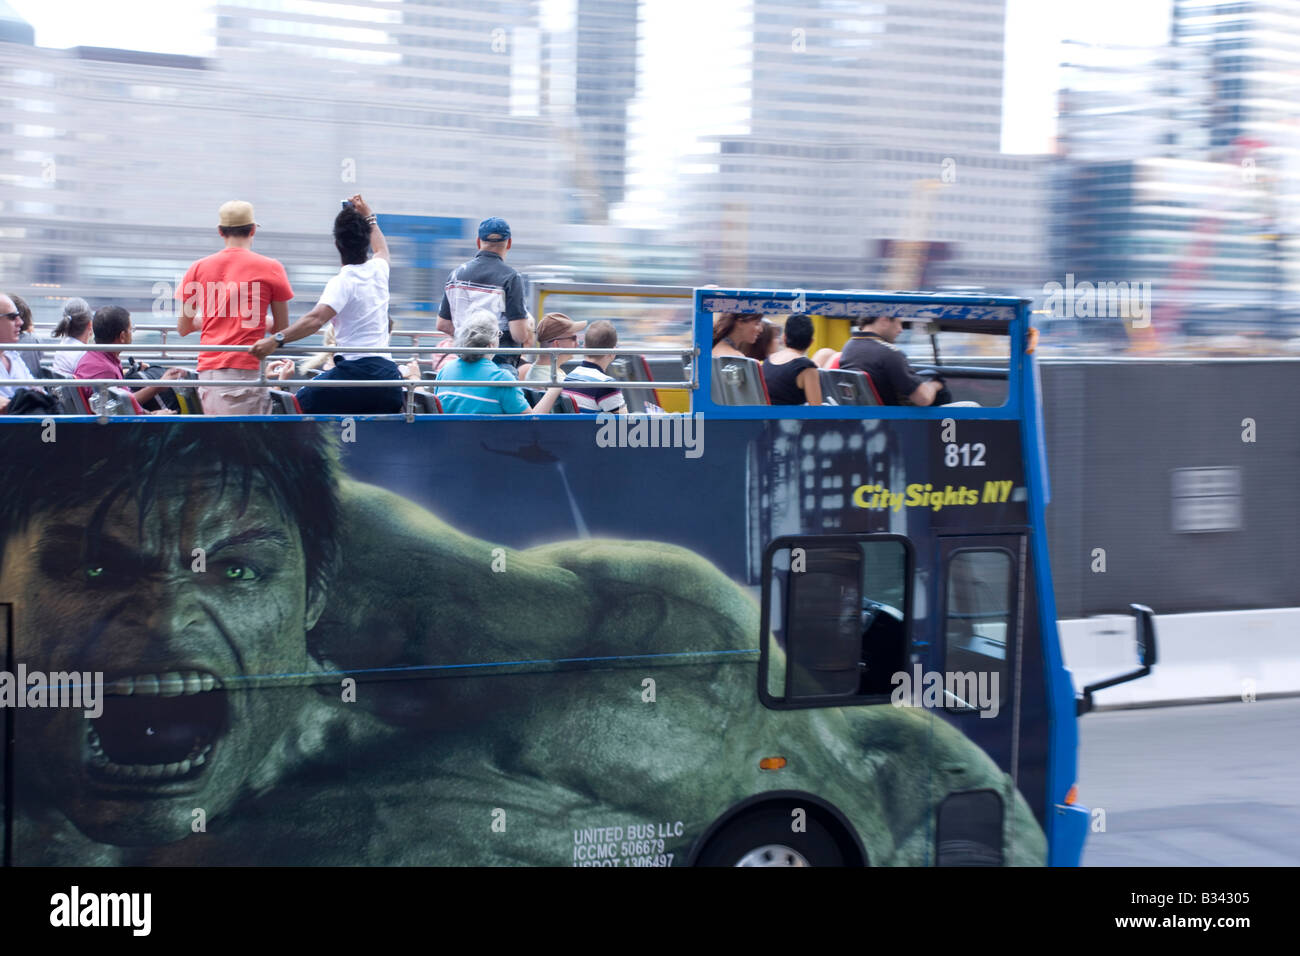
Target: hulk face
181, 651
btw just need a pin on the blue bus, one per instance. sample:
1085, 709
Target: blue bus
745, 634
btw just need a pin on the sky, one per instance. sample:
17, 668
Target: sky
1035, 29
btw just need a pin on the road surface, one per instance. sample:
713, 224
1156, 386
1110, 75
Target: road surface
1200, 785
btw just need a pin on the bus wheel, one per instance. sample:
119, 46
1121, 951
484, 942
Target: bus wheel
766, 838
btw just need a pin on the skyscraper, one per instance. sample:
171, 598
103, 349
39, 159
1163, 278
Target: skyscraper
1182, 169
1254, 51
604, 82
121, 158
852, 108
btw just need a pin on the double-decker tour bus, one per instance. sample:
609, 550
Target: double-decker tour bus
736, 634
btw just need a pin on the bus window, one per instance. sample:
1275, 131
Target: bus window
978, 617
836, 605
855, 357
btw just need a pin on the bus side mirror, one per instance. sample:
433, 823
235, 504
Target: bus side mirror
1147, 655
1146, 635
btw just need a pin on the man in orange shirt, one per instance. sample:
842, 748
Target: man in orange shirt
227, 295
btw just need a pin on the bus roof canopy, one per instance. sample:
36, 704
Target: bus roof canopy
946, 312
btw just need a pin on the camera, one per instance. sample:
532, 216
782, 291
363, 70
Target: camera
345, 203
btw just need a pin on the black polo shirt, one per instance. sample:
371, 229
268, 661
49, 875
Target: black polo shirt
885, 363
488, 284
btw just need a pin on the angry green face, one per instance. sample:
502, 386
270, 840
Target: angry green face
179, 610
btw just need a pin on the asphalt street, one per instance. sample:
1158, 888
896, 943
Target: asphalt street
1199, 785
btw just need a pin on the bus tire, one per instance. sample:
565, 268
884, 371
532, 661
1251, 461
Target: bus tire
766, 837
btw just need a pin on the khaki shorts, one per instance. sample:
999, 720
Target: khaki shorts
233, 400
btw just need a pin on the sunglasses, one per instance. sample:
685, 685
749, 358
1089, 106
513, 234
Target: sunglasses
11, 315
749, 318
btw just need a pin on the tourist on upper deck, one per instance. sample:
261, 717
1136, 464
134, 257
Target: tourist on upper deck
27, 337
871, 349
732, 331
481, 330
227, 295
601, 335
486, 283
112, 325
11, 363
73, 329
556, 331
356, 301
790, 375
767, 343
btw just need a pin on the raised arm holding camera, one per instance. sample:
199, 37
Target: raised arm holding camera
356, 301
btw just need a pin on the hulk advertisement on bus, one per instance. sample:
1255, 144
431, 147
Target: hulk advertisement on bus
444, 644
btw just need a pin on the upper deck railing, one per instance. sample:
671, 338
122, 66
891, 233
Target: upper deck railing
410, 386
932, 312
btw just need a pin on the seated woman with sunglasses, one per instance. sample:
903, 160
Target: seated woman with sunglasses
555, 331
732, 331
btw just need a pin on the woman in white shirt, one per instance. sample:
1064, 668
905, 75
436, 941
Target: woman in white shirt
74, 327
356, 301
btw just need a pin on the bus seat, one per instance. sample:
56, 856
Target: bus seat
78, 402
284, 403
848, 387
631, 368
565, 403
872, 385
120, 401
738, 381
669, 368
187, 397
427, 403
68, 398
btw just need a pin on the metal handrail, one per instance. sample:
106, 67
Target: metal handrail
401, 349
326, 383
290, 350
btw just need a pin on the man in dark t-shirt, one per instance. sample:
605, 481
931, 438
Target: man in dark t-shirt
871, 349
487, 283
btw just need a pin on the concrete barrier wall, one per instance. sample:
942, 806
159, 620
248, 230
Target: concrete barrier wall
1225, 655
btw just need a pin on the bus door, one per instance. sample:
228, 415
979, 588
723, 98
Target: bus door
980, 594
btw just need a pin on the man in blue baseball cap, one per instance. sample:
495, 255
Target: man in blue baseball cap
487, 283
